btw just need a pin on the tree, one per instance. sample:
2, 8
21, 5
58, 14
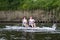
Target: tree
29, 4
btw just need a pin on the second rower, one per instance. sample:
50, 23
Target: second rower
32, 22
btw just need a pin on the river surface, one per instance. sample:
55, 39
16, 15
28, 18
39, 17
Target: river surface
17, 35
14, 35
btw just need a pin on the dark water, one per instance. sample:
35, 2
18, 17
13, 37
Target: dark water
14, 35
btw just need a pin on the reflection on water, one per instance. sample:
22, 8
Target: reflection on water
14, 35
2, 38
47, 37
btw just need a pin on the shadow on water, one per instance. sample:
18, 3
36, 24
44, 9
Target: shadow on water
15, 35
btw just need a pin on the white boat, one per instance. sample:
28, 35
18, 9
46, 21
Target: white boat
31, 29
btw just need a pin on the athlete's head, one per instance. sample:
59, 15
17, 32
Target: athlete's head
24, 17
31, 17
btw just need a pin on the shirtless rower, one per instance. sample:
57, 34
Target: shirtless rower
24, 22
32, 22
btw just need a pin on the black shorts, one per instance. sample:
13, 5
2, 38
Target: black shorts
30, 26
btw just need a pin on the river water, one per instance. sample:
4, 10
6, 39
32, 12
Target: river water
14, 35
19, 35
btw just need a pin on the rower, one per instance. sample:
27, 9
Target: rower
32, 22
24, 22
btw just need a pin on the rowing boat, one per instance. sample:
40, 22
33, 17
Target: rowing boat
31, 29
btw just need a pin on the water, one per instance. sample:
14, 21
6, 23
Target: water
15, 35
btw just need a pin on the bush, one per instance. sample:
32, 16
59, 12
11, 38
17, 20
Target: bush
28, 4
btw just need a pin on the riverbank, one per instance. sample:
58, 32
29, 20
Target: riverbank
40, 15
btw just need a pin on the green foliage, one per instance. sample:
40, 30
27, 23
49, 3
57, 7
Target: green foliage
9, 4
28, 4
3, 4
